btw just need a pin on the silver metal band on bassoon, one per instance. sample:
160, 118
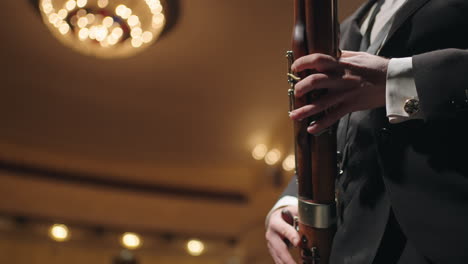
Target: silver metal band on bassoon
317, 215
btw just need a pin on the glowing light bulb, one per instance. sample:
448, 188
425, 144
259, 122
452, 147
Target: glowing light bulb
64, 28
289, 163
259, 151
117, 32
137, 42
127, 13
147, 37
62, 13
120, 10
101, 33
81, 13
53, 18
91, 18
133, 20
195, 247
131, 240
158, 21
82, 22
108, 21
58, 22
103, 3
59, 232
83, 33
47, 7
81, 3
70, 5
272, 157
156, 9
136, 32
92, 32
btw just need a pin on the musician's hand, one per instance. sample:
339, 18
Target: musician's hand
277, 231
355, 82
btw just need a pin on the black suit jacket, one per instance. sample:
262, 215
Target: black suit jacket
403, 193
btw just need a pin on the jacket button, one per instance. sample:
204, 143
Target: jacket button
385, 134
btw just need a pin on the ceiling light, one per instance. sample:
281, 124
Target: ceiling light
59, 232
84, 25
131, 240
195, 247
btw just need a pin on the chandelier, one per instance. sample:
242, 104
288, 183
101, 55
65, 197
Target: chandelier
105, 28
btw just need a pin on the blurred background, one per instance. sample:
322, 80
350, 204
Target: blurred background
142, 131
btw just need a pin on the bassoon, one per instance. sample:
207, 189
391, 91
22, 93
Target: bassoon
315, 30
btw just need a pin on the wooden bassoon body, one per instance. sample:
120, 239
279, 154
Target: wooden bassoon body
315, 31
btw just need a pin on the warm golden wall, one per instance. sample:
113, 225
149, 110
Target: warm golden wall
34, 114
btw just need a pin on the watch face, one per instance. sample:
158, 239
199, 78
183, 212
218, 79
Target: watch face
104, 28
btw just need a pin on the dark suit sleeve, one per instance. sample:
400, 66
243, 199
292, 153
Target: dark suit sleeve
442, 83
424, 163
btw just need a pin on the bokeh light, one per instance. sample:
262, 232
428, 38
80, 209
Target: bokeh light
259, 151
272, 157
131, 240
195, 247
103, 28
289, 163
59, 232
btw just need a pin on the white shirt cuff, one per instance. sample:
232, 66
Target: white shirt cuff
400, 87
283, 202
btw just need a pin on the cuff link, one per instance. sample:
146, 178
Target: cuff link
411, 106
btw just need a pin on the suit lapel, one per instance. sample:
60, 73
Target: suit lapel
402, 15
351, 37
358, 16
